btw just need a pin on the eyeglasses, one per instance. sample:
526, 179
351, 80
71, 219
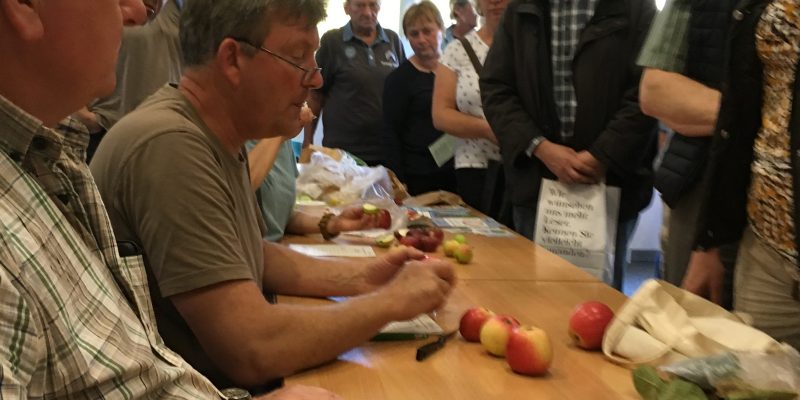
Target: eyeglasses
308, 73
152, 7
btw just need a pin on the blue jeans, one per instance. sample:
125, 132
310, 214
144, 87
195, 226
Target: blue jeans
525, 225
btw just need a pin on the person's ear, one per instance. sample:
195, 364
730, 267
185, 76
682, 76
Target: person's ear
346, 6
229, 60
23, 17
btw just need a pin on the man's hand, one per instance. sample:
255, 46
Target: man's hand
705, 275
300, 392
352, 219
590, 166
378, 272
564, 163
419, 287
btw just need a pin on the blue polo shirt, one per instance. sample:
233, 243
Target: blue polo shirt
353, 74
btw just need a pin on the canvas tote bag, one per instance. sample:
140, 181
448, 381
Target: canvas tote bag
661, 324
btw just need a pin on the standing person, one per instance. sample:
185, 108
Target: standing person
754, 181
148, 58
457, 110
684, 60
463, 12
407, 106
201, 232
355, 61
76, 321
560, 89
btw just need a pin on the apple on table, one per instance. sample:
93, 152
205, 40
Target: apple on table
472, 321
495, 333
529, 351
588, 323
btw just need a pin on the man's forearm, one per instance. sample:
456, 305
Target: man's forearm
293, 273
272, 341
301, 223
683, 104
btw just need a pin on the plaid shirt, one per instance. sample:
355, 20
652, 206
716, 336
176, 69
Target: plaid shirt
76, 321
567, 20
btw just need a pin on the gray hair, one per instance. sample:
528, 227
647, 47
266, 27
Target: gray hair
206, 23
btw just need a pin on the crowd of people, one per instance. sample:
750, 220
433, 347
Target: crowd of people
146, 266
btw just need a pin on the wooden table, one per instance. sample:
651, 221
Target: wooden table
510, 276
505, 258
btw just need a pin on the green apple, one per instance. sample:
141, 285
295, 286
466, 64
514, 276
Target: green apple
450, 247
460, 238
463, 253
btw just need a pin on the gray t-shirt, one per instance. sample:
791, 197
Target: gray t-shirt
353, 75
171, 187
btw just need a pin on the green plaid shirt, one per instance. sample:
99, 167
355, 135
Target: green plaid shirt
667, 43
76, 321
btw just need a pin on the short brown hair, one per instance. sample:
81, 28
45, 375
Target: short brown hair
458, 3
424, 10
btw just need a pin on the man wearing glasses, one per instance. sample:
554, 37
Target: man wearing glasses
355, 61
173, 174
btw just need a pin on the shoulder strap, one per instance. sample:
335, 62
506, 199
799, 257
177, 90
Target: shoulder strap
471, 54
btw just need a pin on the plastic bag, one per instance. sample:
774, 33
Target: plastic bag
342, 182
744, 374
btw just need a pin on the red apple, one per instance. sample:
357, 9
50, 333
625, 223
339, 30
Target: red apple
529, 351
588, 323
495, 333
437, 232
472, 321
384, 219
428, 244
410, 241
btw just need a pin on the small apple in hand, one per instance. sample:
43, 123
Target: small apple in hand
588, 323
384, 219
529, 351
495, 333
472, 321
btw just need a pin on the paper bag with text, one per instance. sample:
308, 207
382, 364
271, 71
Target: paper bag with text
579, 223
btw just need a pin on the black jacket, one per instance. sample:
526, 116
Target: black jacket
724, 215
517, 91
685, 159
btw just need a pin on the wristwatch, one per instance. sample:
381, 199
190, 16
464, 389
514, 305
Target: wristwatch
323, 227
235, 394
535, 142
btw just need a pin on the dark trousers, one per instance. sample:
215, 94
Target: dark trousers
484, 189
442, 179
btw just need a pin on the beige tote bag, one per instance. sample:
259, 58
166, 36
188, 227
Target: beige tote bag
662, 323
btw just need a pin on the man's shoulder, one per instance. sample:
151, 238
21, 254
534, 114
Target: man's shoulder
331, 36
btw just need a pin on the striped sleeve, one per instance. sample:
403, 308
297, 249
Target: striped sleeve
667, 42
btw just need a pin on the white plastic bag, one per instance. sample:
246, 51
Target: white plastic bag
342, 182
743, 371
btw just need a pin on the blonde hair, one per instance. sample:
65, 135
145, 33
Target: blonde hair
424, 10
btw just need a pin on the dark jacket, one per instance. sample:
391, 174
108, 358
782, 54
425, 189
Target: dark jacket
684, 161
517, 91
724, 215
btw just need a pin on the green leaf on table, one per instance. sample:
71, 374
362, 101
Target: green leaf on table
679, 389
647, 382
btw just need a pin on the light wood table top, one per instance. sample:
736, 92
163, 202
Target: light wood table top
462, 370
496, 258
